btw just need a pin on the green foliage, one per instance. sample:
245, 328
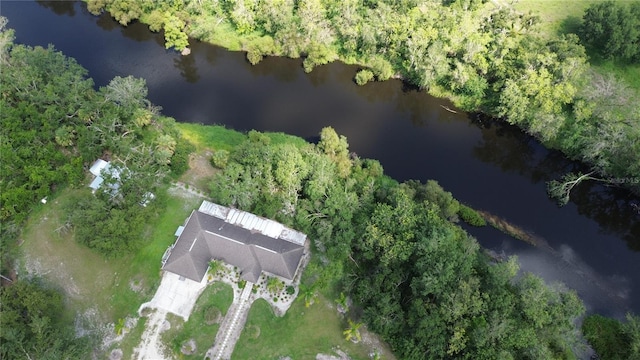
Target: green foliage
290, 290
420, 280
605, 336
470, 216
180, 159
52, 104
613, 28
242, 283
216, 266
274, 285
174, 36
113, 228
259, 47
435, 194
337, 148
33, 325
352, 333
363, 77
119, 327
220, 159
612, 339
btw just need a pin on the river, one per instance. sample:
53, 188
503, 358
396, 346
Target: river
592, 244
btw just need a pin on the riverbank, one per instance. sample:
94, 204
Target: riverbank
551, 100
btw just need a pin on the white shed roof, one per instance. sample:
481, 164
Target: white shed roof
98, 166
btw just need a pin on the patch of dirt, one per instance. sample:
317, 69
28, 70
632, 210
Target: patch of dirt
180, 190
253, 331
136, 285
340, 355
60, 276
375, 344
200, 170
116, 354
189, 347
150, 347
212, 315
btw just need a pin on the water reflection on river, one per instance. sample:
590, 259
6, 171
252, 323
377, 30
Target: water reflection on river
594, 241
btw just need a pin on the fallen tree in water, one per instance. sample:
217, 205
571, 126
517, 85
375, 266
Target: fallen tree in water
513, 230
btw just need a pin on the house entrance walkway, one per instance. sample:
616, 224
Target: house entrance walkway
232, 326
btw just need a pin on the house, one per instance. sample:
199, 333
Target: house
251, 243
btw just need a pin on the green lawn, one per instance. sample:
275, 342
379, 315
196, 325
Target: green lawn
558, 16
300, 334
213, 137
220, 138
215, 299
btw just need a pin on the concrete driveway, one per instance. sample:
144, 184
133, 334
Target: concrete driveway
175, 295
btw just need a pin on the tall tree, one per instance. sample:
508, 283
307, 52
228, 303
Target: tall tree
613, 29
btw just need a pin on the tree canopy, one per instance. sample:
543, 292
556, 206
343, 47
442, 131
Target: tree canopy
55, 124
421, 281
33, 325
613, 29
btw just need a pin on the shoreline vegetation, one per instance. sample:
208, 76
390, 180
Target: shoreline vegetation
485, 56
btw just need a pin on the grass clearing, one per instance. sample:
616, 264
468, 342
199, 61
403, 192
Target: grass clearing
212, 137
220, 138
203, 323
301, 333
557, 16
86, 277
629, 73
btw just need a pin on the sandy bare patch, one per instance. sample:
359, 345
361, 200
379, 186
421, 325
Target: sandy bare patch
200, 170
116, 354
151, 347
340, 355
189, 347
375, 344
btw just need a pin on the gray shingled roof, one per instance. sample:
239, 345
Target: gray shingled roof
206, 237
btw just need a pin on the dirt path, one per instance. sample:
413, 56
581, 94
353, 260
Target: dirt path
190, 190
151, 347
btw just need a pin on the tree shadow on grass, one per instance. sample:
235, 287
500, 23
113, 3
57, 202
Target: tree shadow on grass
570, 25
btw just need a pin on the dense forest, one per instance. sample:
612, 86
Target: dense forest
484, 57
420, 280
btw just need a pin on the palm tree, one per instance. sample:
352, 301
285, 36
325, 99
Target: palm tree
352, 333
274, 285
215, 266
343, 303
308, 293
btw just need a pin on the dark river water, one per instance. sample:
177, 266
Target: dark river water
593, 242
